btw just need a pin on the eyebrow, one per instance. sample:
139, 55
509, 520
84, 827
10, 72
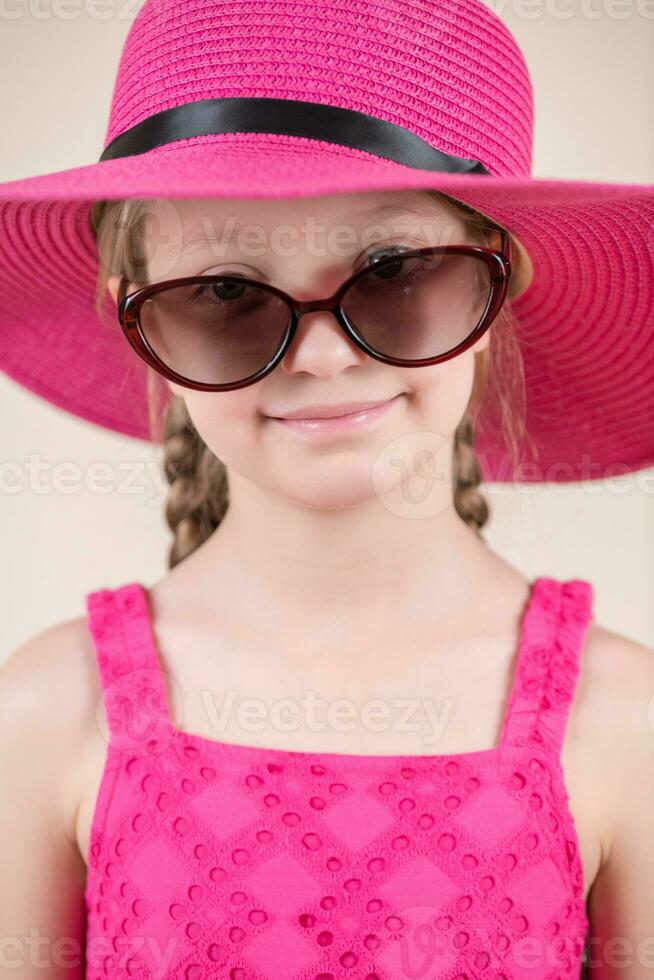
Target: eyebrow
397, 207
391, 209
202, 240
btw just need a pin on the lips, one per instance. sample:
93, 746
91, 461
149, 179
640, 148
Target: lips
338, 426
309, 412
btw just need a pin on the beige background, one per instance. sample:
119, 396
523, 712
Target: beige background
592, 65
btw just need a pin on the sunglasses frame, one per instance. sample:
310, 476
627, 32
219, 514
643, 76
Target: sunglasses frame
498, 262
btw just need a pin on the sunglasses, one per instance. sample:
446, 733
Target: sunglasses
412, 308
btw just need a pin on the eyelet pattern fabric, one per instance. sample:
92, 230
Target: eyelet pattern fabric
220, 860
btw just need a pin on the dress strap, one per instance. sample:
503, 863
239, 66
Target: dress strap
553, 631
132, 682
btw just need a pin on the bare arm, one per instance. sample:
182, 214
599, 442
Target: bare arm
43, 710
621, 902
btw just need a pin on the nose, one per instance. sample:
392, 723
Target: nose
320, 346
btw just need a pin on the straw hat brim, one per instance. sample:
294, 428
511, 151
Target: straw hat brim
586, 321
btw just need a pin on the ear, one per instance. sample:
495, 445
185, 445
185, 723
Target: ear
483, 342
113, 283
523, 268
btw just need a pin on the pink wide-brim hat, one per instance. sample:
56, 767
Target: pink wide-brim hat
431, 94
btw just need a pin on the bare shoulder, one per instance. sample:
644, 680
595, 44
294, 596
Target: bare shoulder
617, 705
49, 698
617, 679
614, 707
46, 721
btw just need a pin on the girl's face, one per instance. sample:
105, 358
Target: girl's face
307, 247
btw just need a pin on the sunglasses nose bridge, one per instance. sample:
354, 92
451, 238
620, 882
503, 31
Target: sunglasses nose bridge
329, 304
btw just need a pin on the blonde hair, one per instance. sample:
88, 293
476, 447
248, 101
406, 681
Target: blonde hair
199, 491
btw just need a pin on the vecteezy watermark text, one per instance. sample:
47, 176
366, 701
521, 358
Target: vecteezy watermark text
319, 714
41, 476
126, 10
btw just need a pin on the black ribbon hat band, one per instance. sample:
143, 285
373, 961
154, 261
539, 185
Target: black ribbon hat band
288, 117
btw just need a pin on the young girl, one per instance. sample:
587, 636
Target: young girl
340, 737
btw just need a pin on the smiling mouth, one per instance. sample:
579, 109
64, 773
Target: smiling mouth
318, 412
333, 424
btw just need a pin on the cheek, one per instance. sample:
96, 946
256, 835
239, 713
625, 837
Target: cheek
440, 393
228, 422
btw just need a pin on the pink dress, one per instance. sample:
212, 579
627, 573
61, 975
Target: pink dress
212, 859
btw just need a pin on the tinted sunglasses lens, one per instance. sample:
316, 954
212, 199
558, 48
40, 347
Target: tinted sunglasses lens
215, 333
419, 307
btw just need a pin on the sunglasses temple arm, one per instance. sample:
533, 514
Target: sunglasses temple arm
122, 290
